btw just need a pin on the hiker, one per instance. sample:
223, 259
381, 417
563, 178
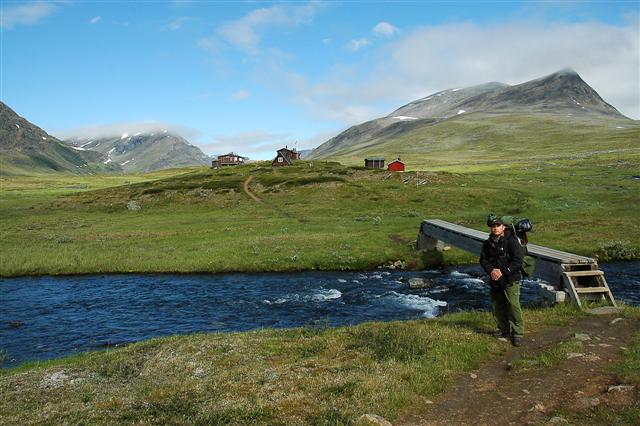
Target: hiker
501, 258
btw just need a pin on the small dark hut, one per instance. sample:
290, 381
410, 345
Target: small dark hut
374, 163
285, 156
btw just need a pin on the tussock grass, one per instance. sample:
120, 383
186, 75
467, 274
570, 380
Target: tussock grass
309, 375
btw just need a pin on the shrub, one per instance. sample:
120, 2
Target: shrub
617, 250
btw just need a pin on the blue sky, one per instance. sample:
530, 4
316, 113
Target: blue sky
252, 76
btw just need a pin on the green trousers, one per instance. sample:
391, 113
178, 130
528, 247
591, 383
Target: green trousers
506, 310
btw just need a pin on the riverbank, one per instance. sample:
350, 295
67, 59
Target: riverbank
309, 375
311, 216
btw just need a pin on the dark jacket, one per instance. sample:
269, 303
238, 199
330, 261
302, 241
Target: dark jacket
505, 254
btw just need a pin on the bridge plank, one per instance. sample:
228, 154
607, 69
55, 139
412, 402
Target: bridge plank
472, 239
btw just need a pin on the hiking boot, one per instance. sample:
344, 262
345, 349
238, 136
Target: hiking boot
501, 334
516, 340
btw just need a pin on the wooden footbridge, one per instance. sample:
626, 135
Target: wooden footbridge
566, 273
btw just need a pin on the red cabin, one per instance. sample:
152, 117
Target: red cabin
396, 166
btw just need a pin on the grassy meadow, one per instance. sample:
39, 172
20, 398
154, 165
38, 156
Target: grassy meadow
314, 215
313, 375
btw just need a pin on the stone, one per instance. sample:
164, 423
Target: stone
584, 403
572, 355
537, 407
373, 419
133, 205
420, 283
616, 320
558, 421
551, 294
591, 357
620, 388
16, 324
473, 376
582, 337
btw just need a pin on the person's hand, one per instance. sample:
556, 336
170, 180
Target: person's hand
496, 274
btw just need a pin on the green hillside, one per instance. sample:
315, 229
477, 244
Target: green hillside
26, 149
476, 141
314, 215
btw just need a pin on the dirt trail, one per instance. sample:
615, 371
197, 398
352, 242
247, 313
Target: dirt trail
500, 394
248, 191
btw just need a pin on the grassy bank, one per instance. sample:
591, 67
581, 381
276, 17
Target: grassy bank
310, 375
315, 215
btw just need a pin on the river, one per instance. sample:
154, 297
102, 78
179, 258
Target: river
48, 317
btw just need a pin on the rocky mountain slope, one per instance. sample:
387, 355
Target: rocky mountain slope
561, 95
27, 149
142, 152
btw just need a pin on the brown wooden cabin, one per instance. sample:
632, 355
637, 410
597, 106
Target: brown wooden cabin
284, 157
374, 163
230, 159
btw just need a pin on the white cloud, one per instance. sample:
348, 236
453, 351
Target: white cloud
95, 20
254, 144
357, 44
435, 58
241, 95
245, 33
466, 54
118, 129
385, 29
178, 23
26, 14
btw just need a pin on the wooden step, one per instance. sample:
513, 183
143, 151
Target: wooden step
590, 273
592, 290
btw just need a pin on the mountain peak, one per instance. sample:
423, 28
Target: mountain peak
566, 72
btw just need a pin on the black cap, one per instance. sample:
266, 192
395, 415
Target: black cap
496, 221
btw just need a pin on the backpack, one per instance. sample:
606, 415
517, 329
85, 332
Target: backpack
520, 228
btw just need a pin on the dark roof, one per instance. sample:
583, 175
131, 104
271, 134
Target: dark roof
231, 154
286, 149
374, 158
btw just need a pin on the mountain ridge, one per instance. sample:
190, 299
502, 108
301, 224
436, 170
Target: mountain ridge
142, 151
27, 149
562, 94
